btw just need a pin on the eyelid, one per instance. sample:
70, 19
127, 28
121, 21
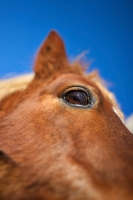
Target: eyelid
77, 88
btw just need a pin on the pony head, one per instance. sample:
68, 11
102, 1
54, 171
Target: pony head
60, 136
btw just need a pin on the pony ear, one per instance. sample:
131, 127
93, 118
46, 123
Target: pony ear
51, 56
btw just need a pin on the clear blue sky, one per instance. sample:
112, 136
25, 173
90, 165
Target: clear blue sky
104, 27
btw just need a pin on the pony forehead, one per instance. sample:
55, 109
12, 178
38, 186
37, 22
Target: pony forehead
21, 82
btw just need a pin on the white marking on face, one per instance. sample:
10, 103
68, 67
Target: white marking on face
124, 122
118, 114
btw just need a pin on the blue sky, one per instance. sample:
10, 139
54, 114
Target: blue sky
104, 27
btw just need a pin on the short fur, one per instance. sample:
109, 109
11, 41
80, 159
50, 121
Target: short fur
50, 150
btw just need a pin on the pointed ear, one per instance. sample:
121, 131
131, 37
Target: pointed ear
51, 56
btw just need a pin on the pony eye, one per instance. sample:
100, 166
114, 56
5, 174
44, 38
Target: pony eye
77, 98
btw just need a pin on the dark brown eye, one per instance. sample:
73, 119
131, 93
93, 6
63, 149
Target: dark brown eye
76, 97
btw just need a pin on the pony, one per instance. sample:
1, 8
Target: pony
62, 135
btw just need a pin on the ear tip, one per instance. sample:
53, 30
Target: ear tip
54, 35
53, 32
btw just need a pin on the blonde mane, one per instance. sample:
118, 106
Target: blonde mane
10, 85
